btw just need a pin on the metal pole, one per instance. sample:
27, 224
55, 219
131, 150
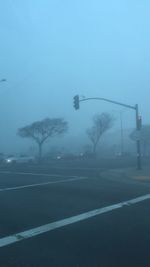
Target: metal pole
121, 125
138, 142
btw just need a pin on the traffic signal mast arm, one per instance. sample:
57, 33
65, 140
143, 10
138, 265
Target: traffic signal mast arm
110, 101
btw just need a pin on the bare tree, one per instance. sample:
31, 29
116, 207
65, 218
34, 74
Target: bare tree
40, 131
101, 123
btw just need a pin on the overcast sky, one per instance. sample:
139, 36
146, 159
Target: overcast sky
51, 50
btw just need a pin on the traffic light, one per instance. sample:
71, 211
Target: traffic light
76, 102
139, 122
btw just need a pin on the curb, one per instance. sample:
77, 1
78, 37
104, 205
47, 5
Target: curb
131, 174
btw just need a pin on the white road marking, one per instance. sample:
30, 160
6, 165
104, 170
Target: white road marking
8, 240
37, 174
42, 184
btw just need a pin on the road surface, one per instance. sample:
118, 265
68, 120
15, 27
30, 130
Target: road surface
59, 217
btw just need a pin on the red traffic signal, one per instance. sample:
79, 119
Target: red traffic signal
76, 102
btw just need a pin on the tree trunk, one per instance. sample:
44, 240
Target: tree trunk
40, 152
94, 148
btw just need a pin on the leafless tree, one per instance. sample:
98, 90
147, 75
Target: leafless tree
40, 131
101, 123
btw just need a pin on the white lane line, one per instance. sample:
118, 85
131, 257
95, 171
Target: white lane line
8, 240
37, 174
42, 184
71, 168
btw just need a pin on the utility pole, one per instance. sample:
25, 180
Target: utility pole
121, 131
137, 117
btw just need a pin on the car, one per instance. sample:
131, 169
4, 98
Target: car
20, 159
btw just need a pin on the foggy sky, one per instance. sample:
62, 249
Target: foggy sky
52, 50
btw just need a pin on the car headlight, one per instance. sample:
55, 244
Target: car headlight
8, 160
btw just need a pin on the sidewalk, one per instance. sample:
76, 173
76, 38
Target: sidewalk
140, 175
129, 173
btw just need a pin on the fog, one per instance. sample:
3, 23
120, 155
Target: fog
52, 50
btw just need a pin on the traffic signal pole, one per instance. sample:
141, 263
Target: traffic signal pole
138, 120
138, 142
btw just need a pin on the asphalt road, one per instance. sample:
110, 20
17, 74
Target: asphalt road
59, 217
